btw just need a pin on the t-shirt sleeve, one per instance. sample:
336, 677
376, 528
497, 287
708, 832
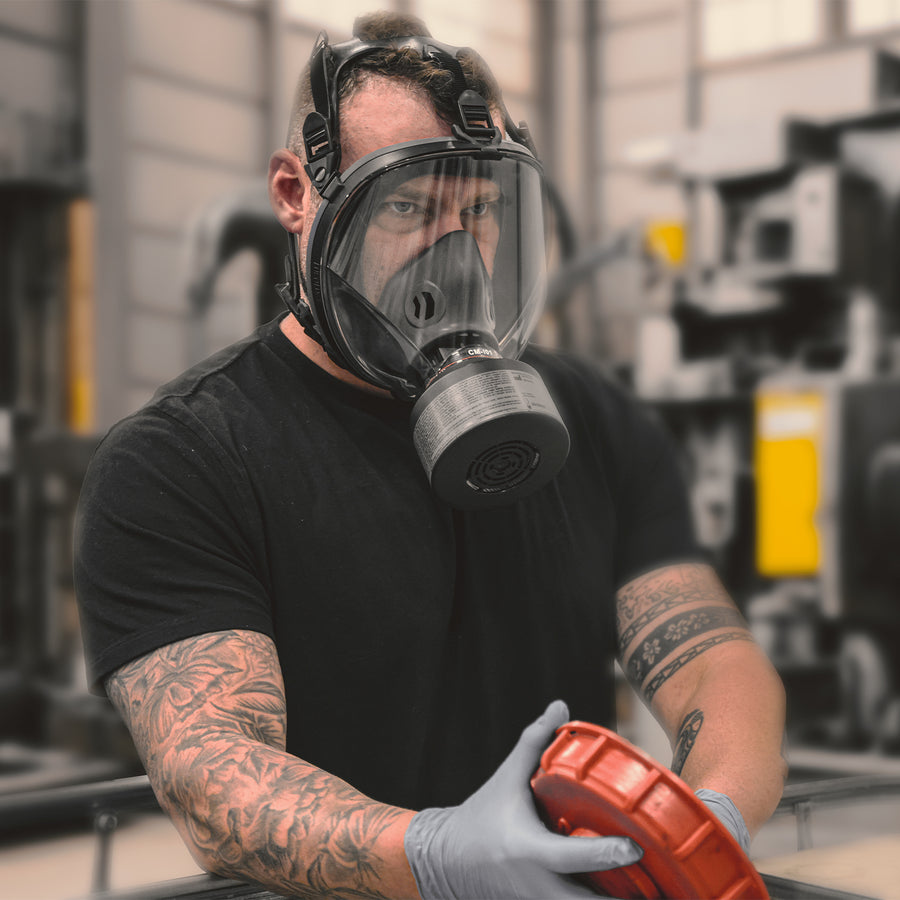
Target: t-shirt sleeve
655, 523
164, 544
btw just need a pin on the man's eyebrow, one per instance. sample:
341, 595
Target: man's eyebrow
408, 192
492, 191
482, 189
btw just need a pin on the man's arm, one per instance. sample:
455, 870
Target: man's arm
688, 652
207, 715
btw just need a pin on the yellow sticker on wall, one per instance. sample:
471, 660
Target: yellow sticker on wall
667, 240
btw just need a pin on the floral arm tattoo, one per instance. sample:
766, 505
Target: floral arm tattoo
207, 715
668, 618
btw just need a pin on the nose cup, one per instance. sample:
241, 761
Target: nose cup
445, 290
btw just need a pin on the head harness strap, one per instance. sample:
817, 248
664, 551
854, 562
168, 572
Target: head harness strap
321, 128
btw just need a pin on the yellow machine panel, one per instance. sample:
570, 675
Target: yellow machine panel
788, 451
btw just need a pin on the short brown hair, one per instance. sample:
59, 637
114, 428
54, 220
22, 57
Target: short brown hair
406, 65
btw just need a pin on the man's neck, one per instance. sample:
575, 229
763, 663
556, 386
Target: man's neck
314, 351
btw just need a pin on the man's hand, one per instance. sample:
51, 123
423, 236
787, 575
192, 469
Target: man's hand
495, 845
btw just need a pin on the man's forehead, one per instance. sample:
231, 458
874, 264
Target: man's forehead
431, 184
383, 112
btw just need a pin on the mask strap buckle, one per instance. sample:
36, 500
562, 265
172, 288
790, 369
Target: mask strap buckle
475, 122
320, 139
289, 290
323, 153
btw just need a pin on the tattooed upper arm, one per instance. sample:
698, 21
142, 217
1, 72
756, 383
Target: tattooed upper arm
668, 618
227, 681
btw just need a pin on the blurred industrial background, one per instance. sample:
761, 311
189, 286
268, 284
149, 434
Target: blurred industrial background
727, 233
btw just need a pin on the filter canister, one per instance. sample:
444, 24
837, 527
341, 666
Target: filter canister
488, 432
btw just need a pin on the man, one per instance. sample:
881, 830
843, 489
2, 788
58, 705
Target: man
307, 641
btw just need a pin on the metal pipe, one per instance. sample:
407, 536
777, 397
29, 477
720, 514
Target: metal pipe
82, 800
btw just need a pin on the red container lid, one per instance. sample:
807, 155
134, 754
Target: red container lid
593, 782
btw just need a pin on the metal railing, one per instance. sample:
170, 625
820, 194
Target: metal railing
101, 803
801, 799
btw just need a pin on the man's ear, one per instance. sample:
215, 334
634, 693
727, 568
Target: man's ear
289, 189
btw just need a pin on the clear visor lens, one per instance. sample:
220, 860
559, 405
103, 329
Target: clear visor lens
433, 254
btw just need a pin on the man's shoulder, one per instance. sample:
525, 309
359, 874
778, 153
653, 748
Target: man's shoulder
204, 398
240, 364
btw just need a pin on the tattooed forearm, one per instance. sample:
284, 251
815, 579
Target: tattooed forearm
207, 716
667, 619
687, 736
274, 819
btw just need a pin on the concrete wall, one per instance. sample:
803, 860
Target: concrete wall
181, 113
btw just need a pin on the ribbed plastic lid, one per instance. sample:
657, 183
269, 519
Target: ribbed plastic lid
593, 782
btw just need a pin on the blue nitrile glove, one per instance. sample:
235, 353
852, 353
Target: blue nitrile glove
728, 814
494, 845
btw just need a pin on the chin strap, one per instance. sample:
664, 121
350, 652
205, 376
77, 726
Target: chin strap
291, 292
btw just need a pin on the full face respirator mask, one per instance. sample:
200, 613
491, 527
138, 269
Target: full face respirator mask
425, 275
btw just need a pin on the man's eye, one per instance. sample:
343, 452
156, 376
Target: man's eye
399, 216
401, 207
481, 209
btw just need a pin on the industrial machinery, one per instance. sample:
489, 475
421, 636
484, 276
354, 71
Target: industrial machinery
777, 367
52, 733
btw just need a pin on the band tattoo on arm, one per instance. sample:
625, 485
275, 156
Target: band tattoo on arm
659, 644
687, 736
668, 618
208, 718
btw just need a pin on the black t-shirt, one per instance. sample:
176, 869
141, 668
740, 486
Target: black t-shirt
258, 492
